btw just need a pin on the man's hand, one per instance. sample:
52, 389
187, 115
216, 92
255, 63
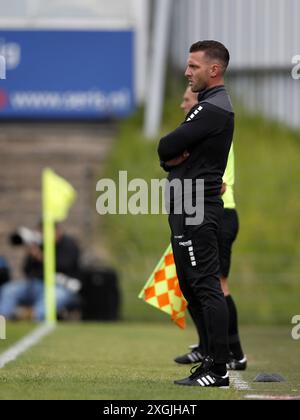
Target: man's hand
223, 189
177, 161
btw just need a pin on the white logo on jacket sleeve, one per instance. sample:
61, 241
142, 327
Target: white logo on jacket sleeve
193, 115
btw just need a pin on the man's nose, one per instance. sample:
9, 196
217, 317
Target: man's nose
187, 72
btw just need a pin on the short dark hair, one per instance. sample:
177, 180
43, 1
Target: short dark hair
213, 50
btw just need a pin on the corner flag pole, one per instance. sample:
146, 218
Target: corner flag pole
58, 196
49, 256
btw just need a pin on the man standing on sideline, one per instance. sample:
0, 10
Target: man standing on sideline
227, 236
203, 140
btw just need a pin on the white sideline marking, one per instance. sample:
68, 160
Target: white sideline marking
23, 345
272, 397
238, 382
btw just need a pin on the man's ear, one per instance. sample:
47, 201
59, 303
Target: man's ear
214, 70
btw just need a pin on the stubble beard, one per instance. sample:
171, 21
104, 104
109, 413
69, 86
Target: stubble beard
198, 87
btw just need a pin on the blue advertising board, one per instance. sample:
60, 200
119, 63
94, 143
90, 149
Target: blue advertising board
67, 74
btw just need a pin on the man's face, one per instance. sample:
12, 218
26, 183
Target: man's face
190, 99
199, 71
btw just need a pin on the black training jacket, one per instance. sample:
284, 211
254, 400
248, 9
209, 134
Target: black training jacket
207, 134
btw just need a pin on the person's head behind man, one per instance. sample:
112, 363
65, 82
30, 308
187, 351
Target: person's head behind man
207, 64
189, 100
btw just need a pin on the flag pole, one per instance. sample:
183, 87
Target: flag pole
49, 255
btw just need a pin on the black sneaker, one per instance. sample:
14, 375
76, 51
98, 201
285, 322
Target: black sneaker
194, 347
202, 376
235, 364
197, 371
193, 356
213, 380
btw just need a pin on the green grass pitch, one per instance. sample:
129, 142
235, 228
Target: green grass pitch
134, 361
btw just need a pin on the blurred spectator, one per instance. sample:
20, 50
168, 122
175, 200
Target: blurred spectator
30, 291
4, 271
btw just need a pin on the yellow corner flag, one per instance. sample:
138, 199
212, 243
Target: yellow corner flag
58, 196
162, 289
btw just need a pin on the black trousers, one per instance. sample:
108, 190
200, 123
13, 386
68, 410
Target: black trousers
196, 255
227, 236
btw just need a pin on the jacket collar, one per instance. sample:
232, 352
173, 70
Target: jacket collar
206, 93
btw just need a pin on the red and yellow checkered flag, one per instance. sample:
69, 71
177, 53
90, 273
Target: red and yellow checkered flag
162, 289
